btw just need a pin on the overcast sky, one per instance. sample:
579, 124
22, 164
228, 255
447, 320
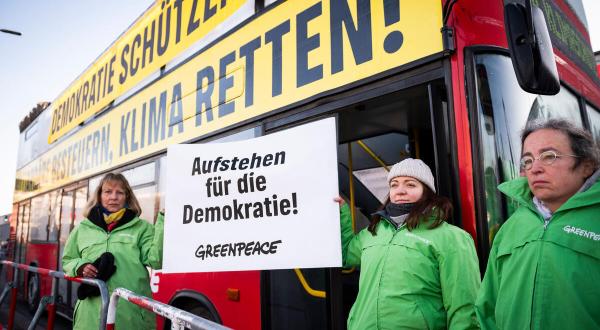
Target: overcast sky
60, 39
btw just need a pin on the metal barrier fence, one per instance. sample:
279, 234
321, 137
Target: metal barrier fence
180, 319
49, 302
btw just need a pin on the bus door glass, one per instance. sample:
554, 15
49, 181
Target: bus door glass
18, 233
80, 201
66, 221
38, 226
22, 235
503, 110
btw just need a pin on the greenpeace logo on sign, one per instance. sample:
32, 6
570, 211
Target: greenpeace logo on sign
582, 232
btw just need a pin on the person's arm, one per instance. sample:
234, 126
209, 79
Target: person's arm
151, 243
485, 306
72, 261
351, 243
460, 281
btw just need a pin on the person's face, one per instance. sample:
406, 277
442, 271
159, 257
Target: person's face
405, 189
553, 183
113, 196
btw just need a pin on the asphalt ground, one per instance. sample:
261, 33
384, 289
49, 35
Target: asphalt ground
23, 318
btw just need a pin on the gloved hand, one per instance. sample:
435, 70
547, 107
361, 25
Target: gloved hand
106, 268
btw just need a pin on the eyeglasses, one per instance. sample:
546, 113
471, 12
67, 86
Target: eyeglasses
547, 158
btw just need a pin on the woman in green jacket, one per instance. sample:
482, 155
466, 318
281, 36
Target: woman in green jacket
416, 270
113, 225
544, 265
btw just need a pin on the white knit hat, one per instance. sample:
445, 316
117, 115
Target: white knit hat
414, 168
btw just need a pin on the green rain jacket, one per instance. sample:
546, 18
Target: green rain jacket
135, 245
544, 275
419, 279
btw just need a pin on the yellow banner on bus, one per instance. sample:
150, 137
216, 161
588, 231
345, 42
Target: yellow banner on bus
161, 33
293, 52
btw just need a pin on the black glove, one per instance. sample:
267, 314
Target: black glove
106, 268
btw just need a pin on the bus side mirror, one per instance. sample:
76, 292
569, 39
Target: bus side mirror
531, 49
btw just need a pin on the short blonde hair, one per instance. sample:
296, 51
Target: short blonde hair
130, 199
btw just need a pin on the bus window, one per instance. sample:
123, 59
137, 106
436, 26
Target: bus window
141, 175
594, 117
503, 110
562, 105
54, 221
39, 218
146, 196
238, 136
81, 197
93, 182
142, 181
31, 130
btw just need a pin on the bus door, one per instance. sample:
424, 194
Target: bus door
42, 249
73, 202
373, 135
22, 236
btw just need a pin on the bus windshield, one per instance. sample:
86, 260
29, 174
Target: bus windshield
503, 110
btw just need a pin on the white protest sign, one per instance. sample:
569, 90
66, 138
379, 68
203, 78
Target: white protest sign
264, 203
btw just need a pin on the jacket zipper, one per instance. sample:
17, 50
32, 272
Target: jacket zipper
535, 278
385, 261
394, 225
546, 222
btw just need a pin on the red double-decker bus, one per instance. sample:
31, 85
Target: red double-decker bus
430, 79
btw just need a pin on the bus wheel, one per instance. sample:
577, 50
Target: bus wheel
195, 308
33, 292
